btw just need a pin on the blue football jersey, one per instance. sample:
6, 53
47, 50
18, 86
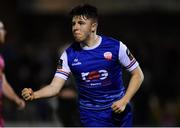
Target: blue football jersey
97, 71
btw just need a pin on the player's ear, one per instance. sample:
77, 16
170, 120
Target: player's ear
94, 26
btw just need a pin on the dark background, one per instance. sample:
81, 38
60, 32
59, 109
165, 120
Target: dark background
39, 30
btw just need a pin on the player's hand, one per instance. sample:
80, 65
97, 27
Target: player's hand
118, 106
20, 103
28, 94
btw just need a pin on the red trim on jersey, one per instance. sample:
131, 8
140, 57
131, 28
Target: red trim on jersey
62, 72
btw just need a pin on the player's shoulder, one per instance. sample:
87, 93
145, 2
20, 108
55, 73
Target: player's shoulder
74, 46
110, 39
107, 40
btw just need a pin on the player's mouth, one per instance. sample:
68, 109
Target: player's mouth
77, 35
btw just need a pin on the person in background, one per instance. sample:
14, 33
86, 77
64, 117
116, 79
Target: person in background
5, 87
96, 63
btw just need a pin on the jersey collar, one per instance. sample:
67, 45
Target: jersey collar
93, 47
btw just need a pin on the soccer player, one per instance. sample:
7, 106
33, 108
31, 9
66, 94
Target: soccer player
5, 87
96, 62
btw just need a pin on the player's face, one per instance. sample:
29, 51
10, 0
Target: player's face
2, 33
82, 28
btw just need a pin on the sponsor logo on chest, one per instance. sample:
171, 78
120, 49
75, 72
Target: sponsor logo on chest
76, 62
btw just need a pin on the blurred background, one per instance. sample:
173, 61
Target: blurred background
39, 30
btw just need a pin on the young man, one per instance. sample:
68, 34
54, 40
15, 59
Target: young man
95, 61
5, 87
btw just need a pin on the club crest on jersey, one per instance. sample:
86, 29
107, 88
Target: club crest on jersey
108, 55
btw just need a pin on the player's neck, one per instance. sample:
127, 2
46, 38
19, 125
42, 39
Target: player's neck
93, 40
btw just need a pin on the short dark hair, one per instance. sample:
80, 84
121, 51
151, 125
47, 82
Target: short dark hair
86, 10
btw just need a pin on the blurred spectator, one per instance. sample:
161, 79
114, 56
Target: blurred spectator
5, 87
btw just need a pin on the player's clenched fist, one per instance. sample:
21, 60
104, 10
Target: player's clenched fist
27, 94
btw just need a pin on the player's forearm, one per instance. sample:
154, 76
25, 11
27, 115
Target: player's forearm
134, 84
9, 92
47, 91
50, 90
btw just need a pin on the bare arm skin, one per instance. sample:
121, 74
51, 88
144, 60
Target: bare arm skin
136, 80
48, 91
10, 94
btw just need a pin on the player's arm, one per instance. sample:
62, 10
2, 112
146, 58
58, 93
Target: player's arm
136, 80
56, 84
48, 91
10, 94
134, 84
137, 77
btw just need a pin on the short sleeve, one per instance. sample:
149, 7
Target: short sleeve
63, 69
126, 58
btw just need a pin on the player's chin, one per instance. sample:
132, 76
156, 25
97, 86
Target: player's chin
78, 39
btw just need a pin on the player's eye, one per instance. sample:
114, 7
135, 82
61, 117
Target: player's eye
81, 22
73, 23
